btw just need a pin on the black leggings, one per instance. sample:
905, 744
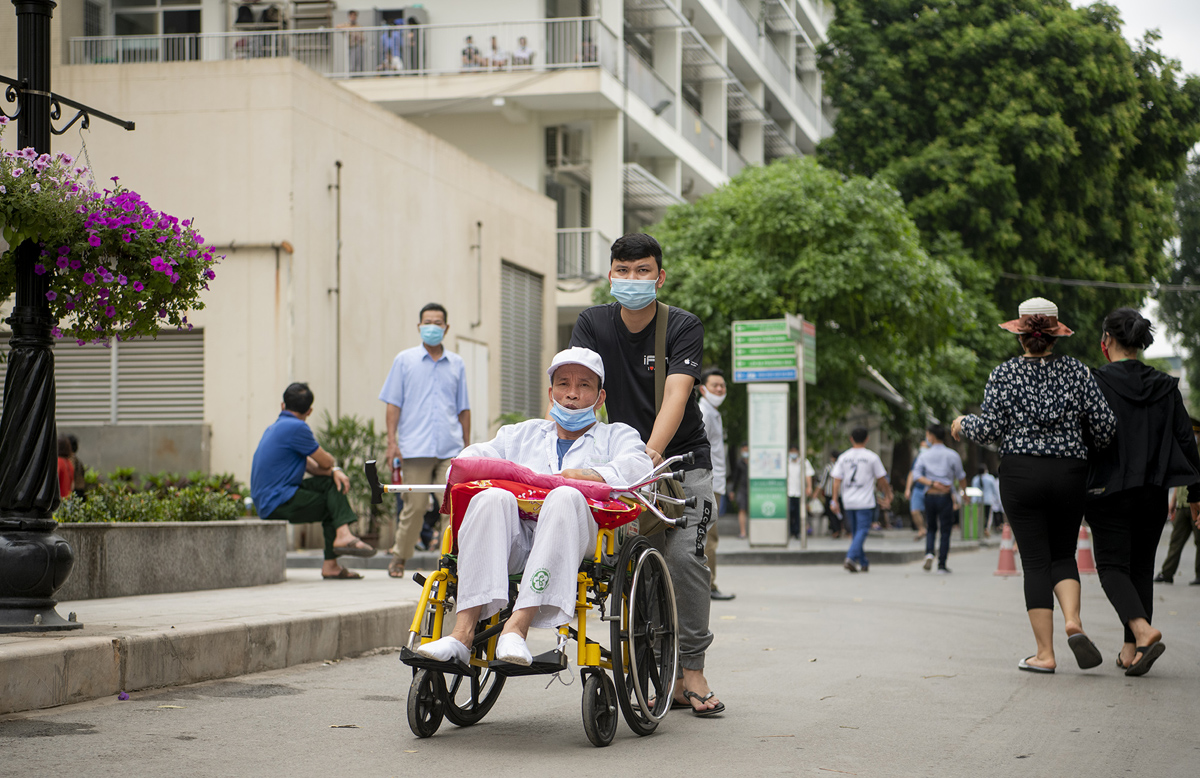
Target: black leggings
1127, 528
1043, 499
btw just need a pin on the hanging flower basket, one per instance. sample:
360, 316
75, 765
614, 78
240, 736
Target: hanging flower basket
116, 266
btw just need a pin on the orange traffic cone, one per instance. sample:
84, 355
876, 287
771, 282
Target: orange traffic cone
1008, 564
1083, 552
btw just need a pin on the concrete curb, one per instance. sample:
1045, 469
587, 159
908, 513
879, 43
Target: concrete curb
48, 672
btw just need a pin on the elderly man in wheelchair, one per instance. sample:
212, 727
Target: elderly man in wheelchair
494, 542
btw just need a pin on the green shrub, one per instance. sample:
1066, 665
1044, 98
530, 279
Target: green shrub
113, 503
353, 442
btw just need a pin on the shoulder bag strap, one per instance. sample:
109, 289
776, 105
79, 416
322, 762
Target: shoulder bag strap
660, 357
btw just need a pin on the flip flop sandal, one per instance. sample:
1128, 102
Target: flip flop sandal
1024, 665
345, 575
1086, 653
702, 713
356, 550
396, 568
1149, 654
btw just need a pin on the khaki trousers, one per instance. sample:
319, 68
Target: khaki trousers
419, 470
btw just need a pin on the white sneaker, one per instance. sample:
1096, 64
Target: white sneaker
929, 561
851, 565
447, 649
511, 648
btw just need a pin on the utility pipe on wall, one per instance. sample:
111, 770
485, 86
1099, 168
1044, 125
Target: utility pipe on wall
337, 289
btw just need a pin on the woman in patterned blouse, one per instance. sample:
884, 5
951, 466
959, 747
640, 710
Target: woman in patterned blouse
1044, 411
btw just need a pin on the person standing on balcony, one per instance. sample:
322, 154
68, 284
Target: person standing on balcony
523, 56
471, 58
354, 41
624, 334
498, 58
428, 420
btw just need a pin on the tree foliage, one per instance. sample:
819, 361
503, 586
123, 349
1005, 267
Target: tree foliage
1028, 128
794, 237
1181, 310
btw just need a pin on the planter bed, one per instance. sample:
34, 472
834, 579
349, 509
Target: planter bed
122, 559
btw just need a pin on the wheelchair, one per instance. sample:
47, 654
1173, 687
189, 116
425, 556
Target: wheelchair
625, 583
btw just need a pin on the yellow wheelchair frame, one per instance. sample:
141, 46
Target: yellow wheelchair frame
627, 582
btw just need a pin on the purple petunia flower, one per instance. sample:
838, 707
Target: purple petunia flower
137, 286
64, 249
17, 172
75, 264
61, 263
35, 187
89, 279
51, 296
94, 240
110, 311
40, 269
80, 343
162, 313
122, 280
70, 305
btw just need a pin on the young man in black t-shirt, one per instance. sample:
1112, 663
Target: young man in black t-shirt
623, 334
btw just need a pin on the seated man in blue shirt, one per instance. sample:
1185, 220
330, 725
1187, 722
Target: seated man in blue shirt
280, 491
939, 469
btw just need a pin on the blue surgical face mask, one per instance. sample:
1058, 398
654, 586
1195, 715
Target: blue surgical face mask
431, 334
634, 294
572, 420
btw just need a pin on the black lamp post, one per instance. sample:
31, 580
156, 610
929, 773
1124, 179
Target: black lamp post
34, 562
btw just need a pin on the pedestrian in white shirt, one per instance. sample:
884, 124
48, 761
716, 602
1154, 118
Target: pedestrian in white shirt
494, 542
797, 486
855, 475
712, 394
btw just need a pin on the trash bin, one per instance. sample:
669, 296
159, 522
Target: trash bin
970, 514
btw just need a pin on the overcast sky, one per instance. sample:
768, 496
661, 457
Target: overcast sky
1177, 20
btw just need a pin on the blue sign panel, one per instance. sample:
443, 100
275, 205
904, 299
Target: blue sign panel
743, 376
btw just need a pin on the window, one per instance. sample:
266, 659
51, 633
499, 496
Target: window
155, 17
521, 365
92, 14
134, 382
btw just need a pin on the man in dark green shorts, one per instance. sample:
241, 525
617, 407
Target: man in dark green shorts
280, 491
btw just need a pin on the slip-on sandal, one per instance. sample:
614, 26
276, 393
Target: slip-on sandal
693, 696
1086, 653
345, 575
1024, 665
1149, 654
355, 550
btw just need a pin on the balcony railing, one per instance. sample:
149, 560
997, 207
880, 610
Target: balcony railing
742, 20
581, 253
808, 105
701, 135
412, 50
776, 66
648, 85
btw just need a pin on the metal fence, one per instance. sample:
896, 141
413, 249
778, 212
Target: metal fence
742, 20
777, 67
429, 49
581, 253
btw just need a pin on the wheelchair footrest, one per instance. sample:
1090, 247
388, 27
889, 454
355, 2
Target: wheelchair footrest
413, 659
553, 661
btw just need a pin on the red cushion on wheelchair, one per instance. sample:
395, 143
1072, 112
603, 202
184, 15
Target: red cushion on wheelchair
471, 475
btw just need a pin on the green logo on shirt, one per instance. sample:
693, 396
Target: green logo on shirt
539, 580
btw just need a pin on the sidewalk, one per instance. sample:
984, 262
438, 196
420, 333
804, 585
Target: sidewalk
149, 641
884, 547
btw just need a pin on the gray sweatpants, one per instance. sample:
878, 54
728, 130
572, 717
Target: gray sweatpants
684, 552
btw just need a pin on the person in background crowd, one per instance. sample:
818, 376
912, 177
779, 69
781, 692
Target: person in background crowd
741, 487
712, 394
66, 467
990, 501
826, 484
940, 471
1179, 513
80, 484
428, 421
1041, 408
856, 474
798, 487
914, 492
1128, 482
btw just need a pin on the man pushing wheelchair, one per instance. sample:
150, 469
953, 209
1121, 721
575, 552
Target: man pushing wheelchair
494, 541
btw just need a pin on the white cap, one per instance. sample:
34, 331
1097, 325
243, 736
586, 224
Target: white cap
577, 355
1038, 306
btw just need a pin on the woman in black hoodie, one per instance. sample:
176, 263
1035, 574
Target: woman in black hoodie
1128, 482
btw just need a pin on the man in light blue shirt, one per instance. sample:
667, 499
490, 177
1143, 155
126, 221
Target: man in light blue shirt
428, 421
939, 469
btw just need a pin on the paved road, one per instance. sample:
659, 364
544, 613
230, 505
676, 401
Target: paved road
891, 673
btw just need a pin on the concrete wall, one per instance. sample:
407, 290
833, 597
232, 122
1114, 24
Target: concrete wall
121, 560
149, 448
249, 149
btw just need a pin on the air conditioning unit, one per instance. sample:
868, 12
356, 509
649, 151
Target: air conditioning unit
564, 147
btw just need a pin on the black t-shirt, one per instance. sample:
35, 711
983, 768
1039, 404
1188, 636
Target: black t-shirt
629, 372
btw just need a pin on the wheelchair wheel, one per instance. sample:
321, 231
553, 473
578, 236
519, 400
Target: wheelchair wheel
645, 640
424, 703
599, 709
470, 697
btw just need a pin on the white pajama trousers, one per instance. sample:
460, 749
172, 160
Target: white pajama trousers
493, 543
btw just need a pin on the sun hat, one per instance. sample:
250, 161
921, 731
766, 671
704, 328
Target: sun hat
1040, 312
577, 355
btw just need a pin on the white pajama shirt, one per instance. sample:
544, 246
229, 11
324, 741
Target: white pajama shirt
494, 542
